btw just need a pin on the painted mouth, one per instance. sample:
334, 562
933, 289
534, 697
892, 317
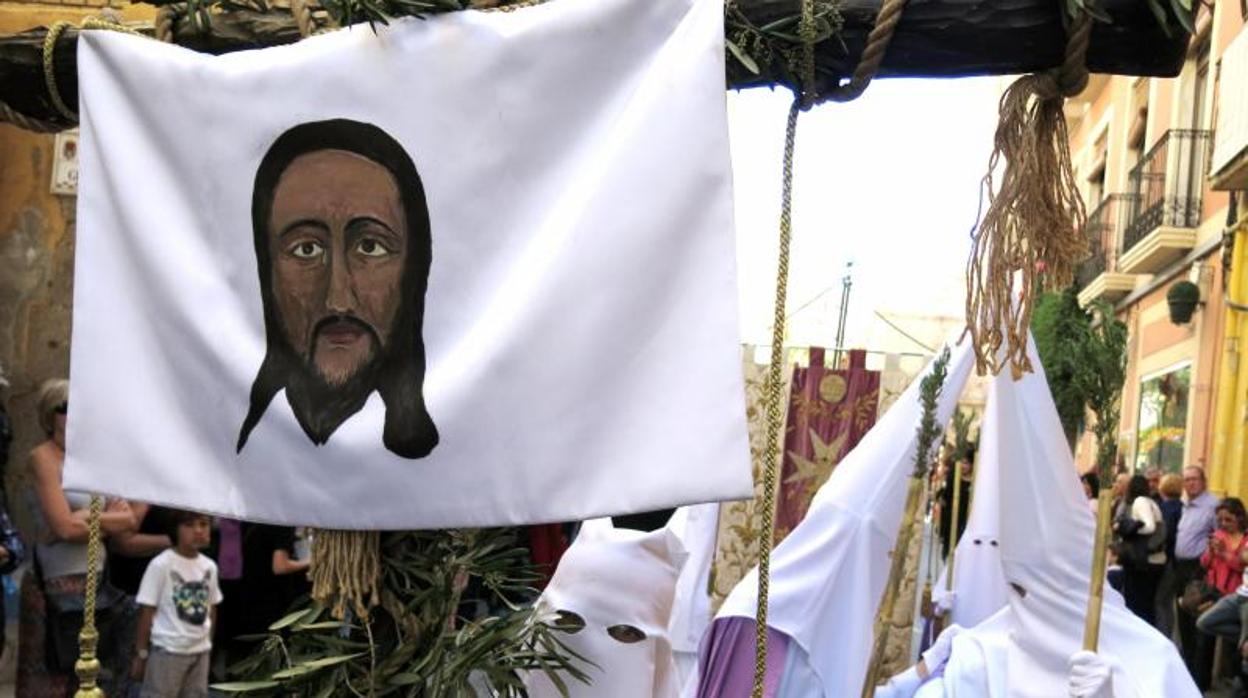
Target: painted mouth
341, 331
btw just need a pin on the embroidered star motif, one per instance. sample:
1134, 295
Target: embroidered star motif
813, 472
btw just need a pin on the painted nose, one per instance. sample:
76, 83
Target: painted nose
341, 297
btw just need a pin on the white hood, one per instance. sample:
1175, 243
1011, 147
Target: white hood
828, 575
611, 578
1046, 549
696, 527
979, 581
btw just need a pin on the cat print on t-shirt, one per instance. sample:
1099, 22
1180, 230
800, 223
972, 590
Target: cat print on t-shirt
191, 598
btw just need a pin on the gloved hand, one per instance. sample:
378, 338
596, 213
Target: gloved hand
936, 655
1090, 676
902, 685
945, 604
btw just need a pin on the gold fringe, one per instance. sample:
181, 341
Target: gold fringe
346, 568
1032, 228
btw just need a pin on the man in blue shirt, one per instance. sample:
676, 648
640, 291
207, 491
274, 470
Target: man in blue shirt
1196, 524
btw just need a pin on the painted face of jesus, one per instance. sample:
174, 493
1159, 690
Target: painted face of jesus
338, 239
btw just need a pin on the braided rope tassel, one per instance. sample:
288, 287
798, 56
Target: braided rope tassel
775, 392
88, 665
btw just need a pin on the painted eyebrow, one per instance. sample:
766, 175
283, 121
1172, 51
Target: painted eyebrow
310, 222
363, 220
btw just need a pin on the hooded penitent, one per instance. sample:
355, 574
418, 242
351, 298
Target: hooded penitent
613, 595
695, 526
978, 582
1046, 539
828, 575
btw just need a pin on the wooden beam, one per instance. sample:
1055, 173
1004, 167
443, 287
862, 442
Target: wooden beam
935, 38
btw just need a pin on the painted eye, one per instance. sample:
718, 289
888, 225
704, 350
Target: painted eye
308, 249
626, 634
569, 622
371, 247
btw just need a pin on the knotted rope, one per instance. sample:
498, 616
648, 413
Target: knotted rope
1033, 226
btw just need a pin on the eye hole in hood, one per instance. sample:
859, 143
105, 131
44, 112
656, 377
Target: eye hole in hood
569, 622
626, 634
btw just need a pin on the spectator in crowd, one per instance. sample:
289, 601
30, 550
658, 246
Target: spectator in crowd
1171, 490
1196, 524
1153, 475
178, 599
1228, 617
60, 566
1141, 530
1222, 558
12, 550
1091, 488
130, 553
259, 591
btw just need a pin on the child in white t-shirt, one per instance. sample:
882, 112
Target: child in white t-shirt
178, 600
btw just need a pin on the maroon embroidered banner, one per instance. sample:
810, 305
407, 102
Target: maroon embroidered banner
829, 412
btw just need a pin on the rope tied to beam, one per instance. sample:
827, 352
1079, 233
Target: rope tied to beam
49, 58
805, 96
872, 55
1032, 231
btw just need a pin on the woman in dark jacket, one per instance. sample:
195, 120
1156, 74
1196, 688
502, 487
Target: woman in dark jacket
1136, 525
1171, 491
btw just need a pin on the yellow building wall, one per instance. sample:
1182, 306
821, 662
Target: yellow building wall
36, 252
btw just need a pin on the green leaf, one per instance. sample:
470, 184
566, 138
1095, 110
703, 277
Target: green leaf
292, 672
331, 661
1160, 13
288, 620
323, 625
244, 686
1183, 11
743, 58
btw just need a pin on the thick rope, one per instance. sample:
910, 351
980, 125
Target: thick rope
10, 115
166, 21
346, 570
301, 10
1032, 230
49, 70
872, 55
49, 58
87, 667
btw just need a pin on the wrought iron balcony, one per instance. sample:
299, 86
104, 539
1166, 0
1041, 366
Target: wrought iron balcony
1167, 185
1104, 229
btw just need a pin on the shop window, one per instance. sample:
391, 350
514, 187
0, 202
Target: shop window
1163, 420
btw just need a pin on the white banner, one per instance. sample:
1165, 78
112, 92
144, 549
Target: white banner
466, 271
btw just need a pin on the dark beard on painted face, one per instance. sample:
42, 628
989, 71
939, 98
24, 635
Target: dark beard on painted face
319, 406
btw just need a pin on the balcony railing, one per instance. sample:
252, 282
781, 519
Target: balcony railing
1105, 227
1167, 184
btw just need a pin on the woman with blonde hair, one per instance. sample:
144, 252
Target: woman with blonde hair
60, 560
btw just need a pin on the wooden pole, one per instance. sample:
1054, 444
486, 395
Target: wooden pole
1096, 586
884, 617
953, 524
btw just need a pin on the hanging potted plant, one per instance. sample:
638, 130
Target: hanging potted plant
1182, 299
